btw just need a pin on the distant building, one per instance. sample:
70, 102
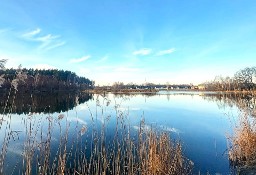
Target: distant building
194, 87
201, 87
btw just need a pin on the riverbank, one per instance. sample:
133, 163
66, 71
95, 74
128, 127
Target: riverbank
123, 91
154, 91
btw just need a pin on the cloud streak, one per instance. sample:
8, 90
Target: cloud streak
103, 58
165, 52
55, 45
3, 30
147, 51
78, 60
32, 33
144, 51
47, 41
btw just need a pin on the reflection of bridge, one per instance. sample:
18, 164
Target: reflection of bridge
41, 102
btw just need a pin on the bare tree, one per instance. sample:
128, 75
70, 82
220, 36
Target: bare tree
118, 85
245, 77
2, 63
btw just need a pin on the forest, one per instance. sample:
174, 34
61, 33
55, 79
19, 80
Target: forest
36, 80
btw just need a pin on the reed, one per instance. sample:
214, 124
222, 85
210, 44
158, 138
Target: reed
242, 145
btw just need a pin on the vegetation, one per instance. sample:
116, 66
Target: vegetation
43, 80
243, 80
120, 87
242, 149
2, 63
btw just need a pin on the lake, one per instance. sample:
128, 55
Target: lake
202, 121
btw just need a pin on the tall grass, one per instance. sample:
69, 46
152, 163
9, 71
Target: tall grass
242, 150
91, 149
242, 145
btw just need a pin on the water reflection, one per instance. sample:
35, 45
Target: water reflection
246, 102
23, 103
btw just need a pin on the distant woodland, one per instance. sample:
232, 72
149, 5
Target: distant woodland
35, 80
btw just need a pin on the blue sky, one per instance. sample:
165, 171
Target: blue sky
173, 41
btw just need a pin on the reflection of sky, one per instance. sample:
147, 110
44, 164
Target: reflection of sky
200, 124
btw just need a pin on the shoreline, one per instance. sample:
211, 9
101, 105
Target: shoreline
154, 91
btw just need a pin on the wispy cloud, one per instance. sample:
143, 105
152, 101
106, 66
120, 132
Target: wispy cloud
47, 41
103, 58
55, 45
4, 30
32, 33
46, 38
144, 51
78, 60
165, 52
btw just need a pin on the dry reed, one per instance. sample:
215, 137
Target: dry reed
242, 149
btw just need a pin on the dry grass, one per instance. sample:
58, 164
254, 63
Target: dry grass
163, 156
242, 150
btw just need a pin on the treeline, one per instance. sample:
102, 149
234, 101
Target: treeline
133, 87
243, 80
31, 80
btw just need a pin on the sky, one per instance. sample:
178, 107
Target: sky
159, 41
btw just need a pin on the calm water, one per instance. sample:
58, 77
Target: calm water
202, 121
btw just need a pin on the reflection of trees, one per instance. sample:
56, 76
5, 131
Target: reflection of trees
123, 95
41, 102
246, 102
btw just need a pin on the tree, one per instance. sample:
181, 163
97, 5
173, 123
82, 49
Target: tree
118, 85
2, 63
245, 78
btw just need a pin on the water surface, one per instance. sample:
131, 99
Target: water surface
202, 121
